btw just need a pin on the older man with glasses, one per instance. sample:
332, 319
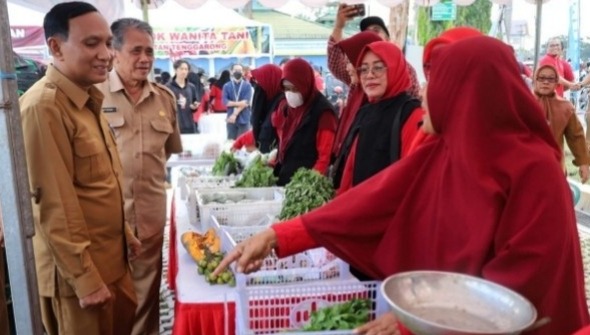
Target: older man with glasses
553, 58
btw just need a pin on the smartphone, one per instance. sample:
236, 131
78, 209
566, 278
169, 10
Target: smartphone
360, 9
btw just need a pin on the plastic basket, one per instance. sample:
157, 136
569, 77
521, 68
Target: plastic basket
312, 265
211, 182
257, 203
288, 308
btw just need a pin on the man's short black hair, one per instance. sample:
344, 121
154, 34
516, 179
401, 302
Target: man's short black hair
57, 20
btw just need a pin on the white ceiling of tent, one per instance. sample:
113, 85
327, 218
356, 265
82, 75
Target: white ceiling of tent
115, 8
193, 17
109, 8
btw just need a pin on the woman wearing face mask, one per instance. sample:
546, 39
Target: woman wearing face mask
562, 119
305, 124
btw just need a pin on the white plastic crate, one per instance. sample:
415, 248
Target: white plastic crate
312, 265
288, 308
254, 203
211, 182
227, 233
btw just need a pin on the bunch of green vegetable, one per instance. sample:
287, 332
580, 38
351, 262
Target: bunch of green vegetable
225, 165
257, 175
349, 315
308, 189
207, 265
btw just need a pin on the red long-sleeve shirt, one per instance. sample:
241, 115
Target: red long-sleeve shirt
293, 238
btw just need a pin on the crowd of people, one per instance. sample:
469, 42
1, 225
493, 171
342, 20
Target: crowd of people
471, 179
452, 176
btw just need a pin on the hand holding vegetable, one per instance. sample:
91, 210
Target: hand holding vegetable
250, 253
385, 324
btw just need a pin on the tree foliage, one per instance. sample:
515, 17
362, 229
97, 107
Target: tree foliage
476, 15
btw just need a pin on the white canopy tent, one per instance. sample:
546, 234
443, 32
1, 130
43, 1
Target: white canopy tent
113, 9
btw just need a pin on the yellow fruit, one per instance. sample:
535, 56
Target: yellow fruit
191, 244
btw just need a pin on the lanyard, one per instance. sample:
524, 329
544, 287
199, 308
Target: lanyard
237, 94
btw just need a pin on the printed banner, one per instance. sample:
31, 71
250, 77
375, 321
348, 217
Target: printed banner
29, 42
193, 42
27, 36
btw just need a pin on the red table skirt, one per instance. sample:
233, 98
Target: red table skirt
204, 319
196, 319
172, 261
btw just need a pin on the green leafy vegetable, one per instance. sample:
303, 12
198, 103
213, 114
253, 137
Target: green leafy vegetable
257, 175
225, 165
348, 315
308, 189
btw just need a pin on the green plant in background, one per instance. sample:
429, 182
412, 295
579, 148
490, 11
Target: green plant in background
308, 189
476, 15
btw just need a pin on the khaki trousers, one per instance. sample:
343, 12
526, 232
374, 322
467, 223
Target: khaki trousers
64, 316
4, 330
147, 277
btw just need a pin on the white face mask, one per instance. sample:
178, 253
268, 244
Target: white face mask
294, 99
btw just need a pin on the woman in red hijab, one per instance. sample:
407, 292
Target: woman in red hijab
485, 197
447, 37
352, 48
268, 94
382, 129
306, 123
562, 119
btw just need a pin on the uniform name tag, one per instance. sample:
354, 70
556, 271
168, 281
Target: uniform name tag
109, 110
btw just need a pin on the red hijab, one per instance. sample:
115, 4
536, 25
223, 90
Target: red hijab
398, 78
486, 197
300, 74
447, 37
268, 77
352, 47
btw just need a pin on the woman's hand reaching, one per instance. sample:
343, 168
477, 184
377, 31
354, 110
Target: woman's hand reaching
250, 253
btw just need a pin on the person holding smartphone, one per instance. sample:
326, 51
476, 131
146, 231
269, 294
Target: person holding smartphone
337, 60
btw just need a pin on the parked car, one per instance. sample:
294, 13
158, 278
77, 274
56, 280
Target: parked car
28, 71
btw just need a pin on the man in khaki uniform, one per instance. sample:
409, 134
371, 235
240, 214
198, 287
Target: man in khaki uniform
143, 117
80, 244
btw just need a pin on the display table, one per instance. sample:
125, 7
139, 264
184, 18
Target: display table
200, 308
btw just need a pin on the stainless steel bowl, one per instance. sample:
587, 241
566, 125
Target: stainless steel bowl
445, 303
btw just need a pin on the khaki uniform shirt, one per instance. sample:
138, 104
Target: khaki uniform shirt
72, 160
147, 134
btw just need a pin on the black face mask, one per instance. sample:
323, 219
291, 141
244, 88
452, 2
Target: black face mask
238, 75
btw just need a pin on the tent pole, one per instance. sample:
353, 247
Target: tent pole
15, 196
538, 31
144, 10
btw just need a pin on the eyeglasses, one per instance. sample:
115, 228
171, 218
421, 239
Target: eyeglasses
377, 70
550, 80
554, 45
